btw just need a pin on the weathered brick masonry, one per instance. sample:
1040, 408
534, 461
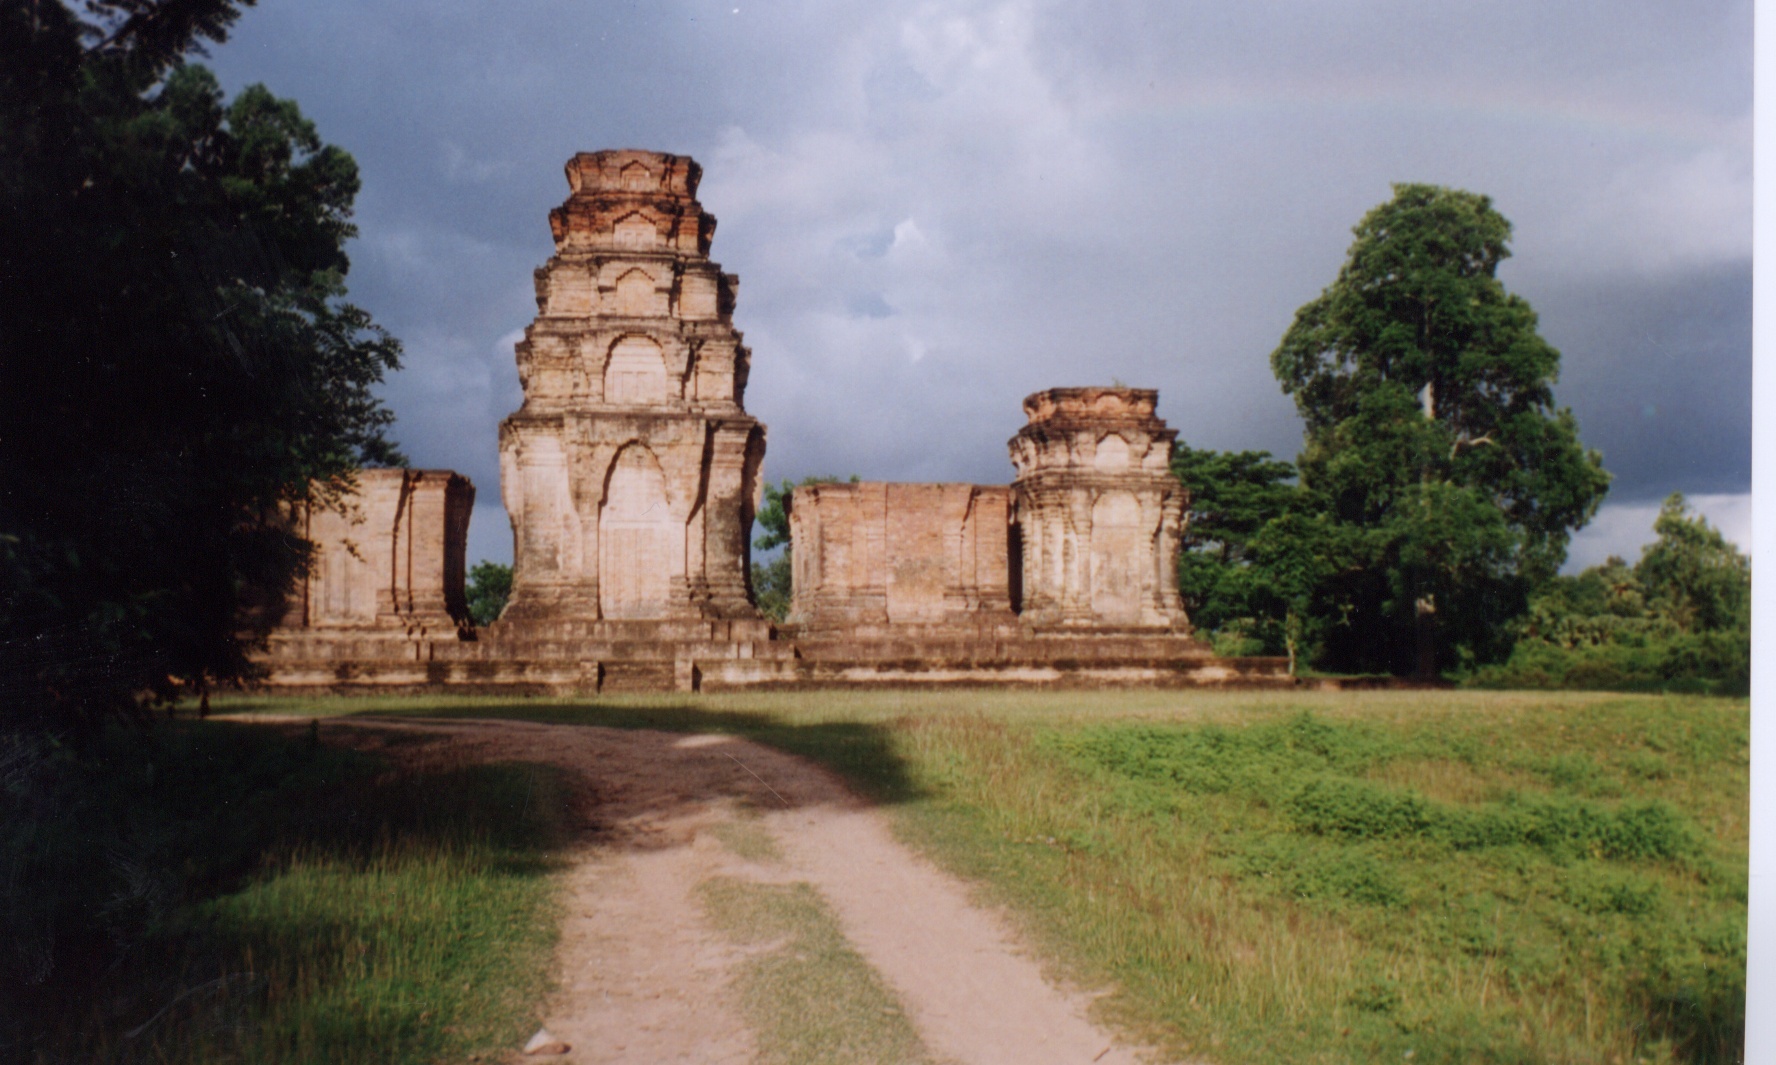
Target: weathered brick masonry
631, 475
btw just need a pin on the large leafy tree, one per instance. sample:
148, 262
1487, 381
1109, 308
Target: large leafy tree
176, 361
1432, 436
1255, 556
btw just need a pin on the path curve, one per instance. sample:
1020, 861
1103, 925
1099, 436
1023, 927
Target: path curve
645, 978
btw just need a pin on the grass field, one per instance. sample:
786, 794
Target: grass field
1314, 877
229, 893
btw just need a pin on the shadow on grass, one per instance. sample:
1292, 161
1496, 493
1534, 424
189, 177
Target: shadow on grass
219, 891
640, 777
859, 751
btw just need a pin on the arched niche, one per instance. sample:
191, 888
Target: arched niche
635, 230
636, 538
635, 177
1112, 454
635, 293
635, 373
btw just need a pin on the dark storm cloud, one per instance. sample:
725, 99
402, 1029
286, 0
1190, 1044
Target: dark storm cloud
936, 208
1659, 375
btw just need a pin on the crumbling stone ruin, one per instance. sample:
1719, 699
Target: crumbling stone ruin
1085, 538
386, 573
631, 475
879, 554
1098, 510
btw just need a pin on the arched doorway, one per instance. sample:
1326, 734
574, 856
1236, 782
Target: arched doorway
635, 373
635, 538
1119, 553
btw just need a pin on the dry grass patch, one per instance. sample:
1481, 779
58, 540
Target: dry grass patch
811, 998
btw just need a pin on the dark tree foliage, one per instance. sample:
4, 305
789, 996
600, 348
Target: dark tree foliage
1432, 438
1233, 495
176, 362
1254, 555
772, 581
489, 586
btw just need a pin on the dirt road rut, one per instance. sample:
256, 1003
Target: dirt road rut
645, 976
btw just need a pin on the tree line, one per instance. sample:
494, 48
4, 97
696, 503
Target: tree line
1422, 527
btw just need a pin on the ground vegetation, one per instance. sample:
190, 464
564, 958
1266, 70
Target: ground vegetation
1317, 877
209, 891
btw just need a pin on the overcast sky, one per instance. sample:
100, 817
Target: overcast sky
937, 208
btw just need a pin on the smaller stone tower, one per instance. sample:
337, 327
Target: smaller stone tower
1098, 511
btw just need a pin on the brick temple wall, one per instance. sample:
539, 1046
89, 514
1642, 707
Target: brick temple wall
876, 553
391, 557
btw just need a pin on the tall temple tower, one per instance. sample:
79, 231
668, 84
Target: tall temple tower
630, 472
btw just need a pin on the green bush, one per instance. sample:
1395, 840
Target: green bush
1710, 663
1559, 826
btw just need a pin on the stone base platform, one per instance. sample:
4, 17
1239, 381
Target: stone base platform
714, 655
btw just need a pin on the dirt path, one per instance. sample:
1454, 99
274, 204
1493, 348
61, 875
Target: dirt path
644, 975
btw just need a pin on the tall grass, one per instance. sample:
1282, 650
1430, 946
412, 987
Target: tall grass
1525, 884
1320, 877
256, 897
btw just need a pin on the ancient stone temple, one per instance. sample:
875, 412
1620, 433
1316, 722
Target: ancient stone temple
631, 474
385, 578
630, 470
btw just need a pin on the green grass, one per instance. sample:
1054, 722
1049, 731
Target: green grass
1318, 877
810, 997
257, 898
746, 838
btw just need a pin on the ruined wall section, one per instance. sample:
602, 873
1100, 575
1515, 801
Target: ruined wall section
390, 557
630, 473
1098, 511
920, 554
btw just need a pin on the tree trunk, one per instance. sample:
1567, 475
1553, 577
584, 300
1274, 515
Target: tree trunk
1424, 626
